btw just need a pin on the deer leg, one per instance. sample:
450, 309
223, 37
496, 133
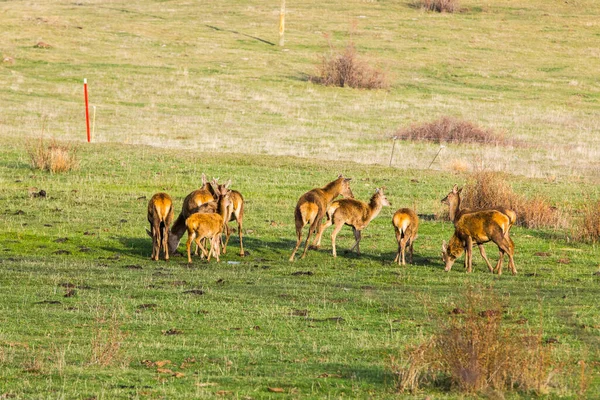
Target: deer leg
313, 228
511, 252
482, 251
298, 241
397, 232
228, 231
469, 255
336, 229
356, 240
188, 245
411, 251
404, 240
155, 234
240, 218
165, 242
327, 224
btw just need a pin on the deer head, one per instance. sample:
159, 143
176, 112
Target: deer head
453, 196
346, 191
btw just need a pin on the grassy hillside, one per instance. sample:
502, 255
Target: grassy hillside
207, 75
86, 314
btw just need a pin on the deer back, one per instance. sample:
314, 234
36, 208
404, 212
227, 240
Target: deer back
482, 226
205, 225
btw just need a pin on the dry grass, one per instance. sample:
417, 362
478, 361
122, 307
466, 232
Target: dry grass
449, 6
487, 189
346, 68
474, 351
589, 230
451, 130
107, 342
52, 156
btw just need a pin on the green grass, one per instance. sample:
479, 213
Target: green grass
198, 83
241, 335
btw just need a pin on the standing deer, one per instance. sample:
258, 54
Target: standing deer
406, 226
208, 225
190, 206
452, 200
479, 227
355, 213
236, 213
312, 206
160, 216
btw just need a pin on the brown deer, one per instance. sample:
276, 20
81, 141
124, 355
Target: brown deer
190, 206
236, 213
452, 200
208, 225
406, 226
160, 216
479, 227
355, 213
312, 206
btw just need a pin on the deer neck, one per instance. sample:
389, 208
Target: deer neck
455, 246
454, 209
375, 207
221, 208
332, 190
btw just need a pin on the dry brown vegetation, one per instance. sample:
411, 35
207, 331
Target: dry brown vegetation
346, 68
486, 189
589, 231
52, 156
107, 342
451, 130
438, 5
474, 350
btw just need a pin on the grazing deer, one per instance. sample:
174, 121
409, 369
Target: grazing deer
406, 226
479, 227
312, 206
208, 225
452, 200
160, 216
355, 213
190, 206
236, 213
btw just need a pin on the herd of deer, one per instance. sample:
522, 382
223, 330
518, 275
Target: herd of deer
207, 211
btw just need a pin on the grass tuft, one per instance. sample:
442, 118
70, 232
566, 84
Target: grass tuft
451, 130
346, 68
52, 156
473, 350
589, 230
448, 6
107, 342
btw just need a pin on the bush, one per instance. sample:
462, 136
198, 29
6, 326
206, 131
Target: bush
473, 350
53, 157
487, 189
347, 69
438, 5
450, 130
589, 230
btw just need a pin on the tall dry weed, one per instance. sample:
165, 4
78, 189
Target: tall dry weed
487, 189
52, 156
473, 350
589, 230
107, 342
346, 68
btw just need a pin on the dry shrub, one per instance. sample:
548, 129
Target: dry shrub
348, 69
451, 130
107, 342
459, 165
487, 189
449, 6
52, 156
474, 351
589, 230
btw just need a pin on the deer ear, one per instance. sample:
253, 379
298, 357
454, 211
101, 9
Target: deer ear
227, 184
347, 179
444, 246
459, 190
455, 188
203, 179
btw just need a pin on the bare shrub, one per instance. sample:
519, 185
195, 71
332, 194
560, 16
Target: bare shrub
346, 68
107, 342
474, 351
52, 156
589, 230
486, 189
449, 6
451, 130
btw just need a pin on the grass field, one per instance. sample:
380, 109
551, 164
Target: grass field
185, 88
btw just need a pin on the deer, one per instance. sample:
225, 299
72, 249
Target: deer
479, 227
190, 205
208, 226
355, 213
160, 216
313, 205
406, 226
452, 200
236, 213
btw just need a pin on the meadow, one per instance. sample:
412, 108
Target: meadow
185, 88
